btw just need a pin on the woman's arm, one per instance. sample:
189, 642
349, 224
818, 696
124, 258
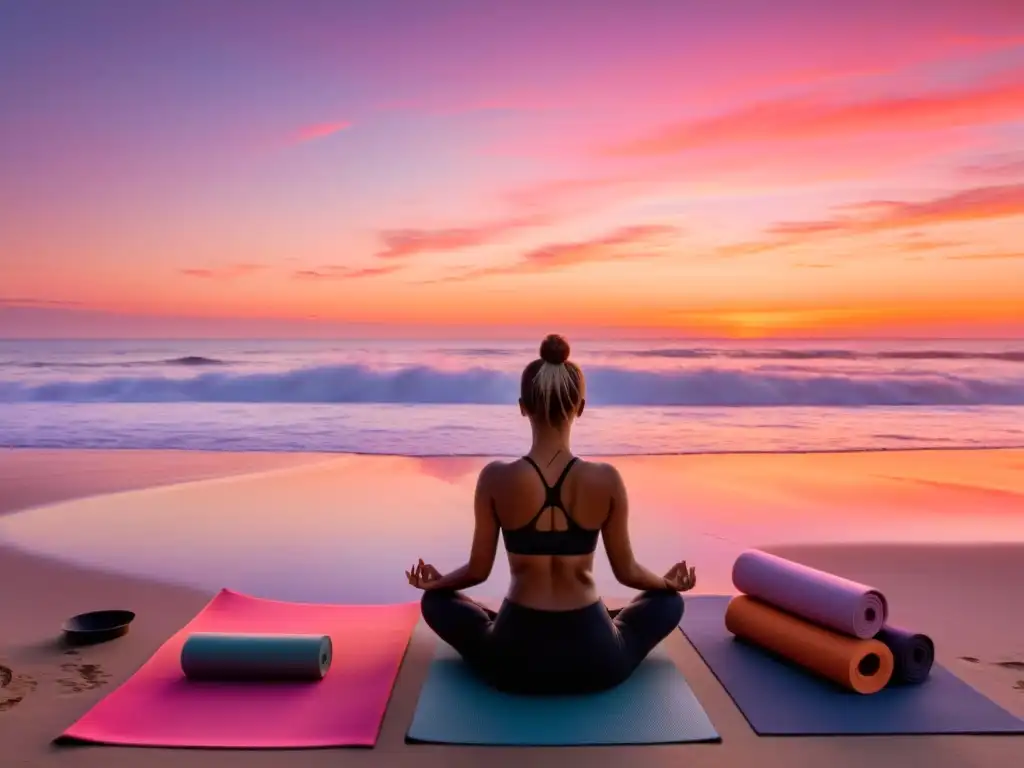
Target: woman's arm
485, 539
615, 533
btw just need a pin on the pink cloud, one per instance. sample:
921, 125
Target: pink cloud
970, 204
814, 117
634, 242
402, 243
975, 204
21, 301
320, 131
1009, 165
741, 166
939, 49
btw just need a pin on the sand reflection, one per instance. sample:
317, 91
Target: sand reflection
344, 530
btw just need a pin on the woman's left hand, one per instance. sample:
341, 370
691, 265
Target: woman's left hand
423, 575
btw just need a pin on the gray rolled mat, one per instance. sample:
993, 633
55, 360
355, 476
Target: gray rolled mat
256, 658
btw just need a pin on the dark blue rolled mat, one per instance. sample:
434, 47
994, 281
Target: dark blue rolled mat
913, 655
225, 656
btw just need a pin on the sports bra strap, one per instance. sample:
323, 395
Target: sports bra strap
565, 473
533, 464
561, 478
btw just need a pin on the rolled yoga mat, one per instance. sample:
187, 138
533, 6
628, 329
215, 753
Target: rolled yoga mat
913, 655
224, 656
823, 598
780, 699
863, 666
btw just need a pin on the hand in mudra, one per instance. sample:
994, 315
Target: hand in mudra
422, 575
680, 578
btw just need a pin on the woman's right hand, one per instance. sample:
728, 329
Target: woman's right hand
680, 578
423, 575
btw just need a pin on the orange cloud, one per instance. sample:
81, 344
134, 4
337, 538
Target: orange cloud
985, 256
402, 243
809, 117
640, 241
338, 272
918, 243
320, 131
222, 273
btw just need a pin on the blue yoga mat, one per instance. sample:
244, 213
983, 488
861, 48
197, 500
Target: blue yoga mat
654, 706
779, 699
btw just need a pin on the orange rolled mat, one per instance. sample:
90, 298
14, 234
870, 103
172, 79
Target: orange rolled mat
863, 666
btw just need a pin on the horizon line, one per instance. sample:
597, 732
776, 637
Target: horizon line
507, 340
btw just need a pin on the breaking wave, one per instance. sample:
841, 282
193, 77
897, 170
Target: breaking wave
186, 360
607, 385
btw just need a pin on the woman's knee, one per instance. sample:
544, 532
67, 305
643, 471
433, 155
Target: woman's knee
667, 605
435, 606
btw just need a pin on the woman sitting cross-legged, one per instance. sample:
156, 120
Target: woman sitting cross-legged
552, 634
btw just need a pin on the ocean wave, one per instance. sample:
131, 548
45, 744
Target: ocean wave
193, 360
607, 386
185, 360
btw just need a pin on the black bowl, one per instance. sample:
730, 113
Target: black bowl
97, 627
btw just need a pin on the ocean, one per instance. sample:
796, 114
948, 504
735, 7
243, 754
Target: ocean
451, 398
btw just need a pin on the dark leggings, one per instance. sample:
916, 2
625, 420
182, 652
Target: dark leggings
524, 650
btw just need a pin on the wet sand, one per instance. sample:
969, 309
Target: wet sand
963, 595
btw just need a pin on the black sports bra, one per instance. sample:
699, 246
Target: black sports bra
527, 540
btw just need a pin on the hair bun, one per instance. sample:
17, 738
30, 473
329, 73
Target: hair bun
554, 349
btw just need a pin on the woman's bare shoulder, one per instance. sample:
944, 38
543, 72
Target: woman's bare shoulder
494, 471
599, 473
596, 473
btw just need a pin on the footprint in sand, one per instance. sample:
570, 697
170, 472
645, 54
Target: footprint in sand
82, 677
1017, 666
14, 688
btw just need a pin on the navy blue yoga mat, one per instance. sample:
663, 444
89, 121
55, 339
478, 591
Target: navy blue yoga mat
913, 655
779, 699
654, 706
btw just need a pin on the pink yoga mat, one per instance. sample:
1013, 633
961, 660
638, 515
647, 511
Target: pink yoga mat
819, 597
158, 707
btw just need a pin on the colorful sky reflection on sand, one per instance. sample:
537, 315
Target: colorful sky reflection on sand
344, 530
747, 169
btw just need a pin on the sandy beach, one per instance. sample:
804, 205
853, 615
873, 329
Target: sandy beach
963, 595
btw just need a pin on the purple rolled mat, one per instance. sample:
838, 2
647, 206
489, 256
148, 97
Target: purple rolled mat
822, 598
912, 653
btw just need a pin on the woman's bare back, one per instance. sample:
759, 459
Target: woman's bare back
552, 582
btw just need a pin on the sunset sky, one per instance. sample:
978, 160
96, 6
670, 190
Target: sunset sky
749, 168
